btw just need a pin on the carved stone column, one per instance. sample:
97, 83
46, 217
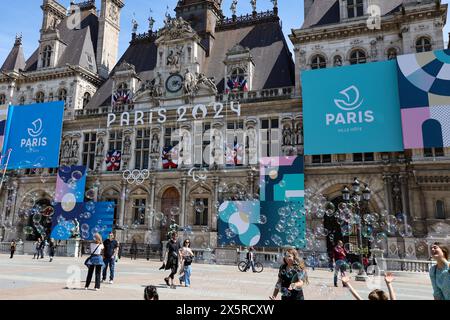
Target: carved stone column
387, 179
216, 181
152, 197
183, 219
122, 203
404, 189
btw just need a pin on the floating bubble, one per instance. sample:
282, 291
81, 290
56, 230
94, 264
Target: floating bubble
85, 228
199, 206
357, 266
280, 228
28, 230
367, 231
48, 211
175, 211
65, 169
282, 212
159, 216
277, 240
77, 175
90, 205
90, 194
405, 230
37, 218
230, 233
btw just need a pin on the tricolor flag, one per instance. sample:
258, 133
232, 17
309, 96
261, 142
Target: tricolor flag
169, 158
113, 160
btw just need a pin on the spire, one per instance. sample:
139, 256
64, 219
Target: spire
16, 59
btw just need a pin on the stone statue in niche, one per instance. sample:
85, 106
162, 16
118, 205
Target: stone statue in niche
189, 82
158, 86
337, 61
75, 148
100, 147
174, 58
287, 134
127, 146
66, 150
155, 143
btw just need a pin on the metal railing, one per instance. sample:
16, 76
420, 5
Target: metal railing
28, 248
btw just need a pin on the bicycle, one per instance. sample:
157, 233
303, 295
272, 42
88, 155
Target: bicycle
242, 266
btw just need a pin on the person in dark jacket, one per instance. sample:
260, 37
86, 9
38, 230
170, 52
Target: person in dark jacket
134, 250
51, 249
13, 248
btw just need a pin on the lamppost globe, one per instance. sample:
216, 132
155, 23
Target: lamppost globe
356, 185
346, 194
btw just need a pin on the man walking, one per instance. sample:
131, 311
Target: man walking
339, 257
109, 257
251, 259
37, 247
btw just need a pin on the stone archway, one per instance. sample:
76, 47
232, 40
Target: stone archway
169, 199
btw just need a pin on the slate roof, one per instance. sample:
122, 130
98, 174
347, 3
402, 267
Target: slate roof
78, 41
324, 12
15, 60
274, 65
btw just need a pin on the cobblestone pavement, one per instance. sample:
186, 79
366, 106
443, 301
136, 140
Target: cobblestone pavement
23, 278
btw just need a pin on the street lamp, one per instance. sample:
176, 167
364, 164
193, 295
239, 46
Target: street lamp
356, 196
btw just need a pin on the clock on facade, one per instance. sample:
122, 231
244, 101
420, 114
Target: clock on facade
174, 83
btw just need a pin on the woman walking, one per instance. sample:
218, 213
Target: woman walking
37, 246
51, 249
13, 248
95, 262
187, 256
291, 277
440, 273
172, 259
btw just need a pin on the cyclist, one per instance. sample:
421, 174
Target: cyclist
250, 259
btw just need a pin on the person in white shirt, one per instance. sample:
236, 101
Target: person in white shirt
95, 262
187, 256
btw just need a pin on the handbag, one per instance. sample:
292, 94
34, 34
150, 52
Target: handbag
188, 260
87, 262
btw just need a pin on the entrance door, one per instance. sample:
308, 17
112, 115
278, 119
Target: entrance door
169, 200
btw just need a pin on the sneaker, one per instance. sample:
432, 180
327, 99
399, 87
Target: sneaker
111, 282
173, 287
97, 289
86, 288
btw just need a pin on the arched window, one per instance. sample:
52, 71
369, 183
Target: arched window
46, 56
123, 86
86, 99
358, 56
318, 62
62, 95
355, 8
392, 53
40, 96
440, 209
2, 99
423, 44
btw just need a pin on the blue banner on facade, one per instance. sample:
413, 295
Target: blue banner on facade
83, 220
33, 133
352, 109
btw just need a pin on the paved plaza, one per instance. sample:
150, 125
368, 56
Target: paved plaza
23, 278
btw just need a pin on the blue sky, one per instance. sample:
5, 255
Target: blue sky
25, 16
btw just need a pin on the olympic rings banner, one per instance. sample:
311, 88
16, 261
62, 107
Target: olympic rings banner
137, 177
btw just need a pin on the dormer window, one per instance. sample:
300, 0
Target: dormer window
355, 8
46, 56
423, 44
237, 82
62, 95
40, 96
86, 99
358, 56
318, 62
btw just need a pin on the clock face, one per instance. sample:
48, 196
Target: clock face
174, 83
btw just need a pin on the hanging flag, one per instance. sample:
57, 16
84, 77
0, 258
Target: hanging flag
234, 153
237, 84
169, 158
113, 160
121, 97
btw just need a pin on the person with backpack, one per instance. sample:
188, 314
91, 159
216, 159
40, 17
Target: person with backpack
187, 256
